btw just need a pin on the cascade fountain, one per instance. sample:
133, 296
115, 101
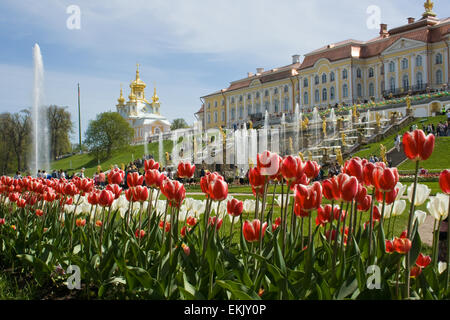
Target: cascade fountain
296, 127
300, 118
316, 121
333, 120
40, 132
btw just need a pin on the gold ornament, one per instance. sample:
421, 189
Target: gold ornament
343, 136
301, 156
310, 157
324, 127
339, 158
408, 102
378, 119
250, 163
383, 153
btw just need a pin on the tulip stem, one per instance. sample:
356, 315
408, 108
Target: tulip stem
434, 257
262, 214
448, 248
410, 220
353, 211
231, 230
331, 221
371, 224
336, 237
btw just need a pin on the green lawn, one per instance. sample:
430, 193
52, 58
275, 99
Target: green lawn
76, 162
388, 142
438, 160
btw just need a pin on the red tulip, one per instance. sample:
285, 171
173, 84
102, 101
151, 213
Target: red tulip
364, 205
354, 167
39, 213
151, 165
311, 169
251, 230
368, 174
417, 146
256, 179
186, 170
423, 261
2, 221
218, 190
98, 223
299, 212
390, 195
415, 271
115, 189
402, 245
212, 222
21, 203
289, 168
348, 187
140, 194
323, 215
174, 192
84, 185
93, 197
167, 228
139, 233
49, 196
13, 197
310, 197
444, 181
106, 198
205, 181
191, 221
134, 179
276, 224
186, 249
268, 163
80, 222
385, 179
116, 176
153, 178
331, 189
389, 246
376, 214
70, 189
235, 207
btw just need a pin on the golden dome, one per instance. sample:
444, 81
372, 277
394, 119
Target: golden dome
121, 99
155, 97
138, 82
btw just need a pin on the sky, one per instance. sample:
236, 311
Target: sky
187, 48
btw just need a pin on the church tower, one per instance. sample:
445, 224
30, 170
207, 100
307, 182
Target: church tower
155, 102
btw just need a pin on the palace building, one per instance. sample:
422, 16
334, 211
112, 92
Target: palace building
410, 59
143, 116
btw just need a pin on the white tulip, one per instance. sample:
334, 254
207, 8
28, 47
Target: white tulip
438, 206
401, 190
387, 210
249, 206
442, 266
278, 200
399, 207
422, 193
420, 216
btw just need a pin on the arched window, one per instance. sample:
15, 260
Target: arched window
404, 63
233, 113
257, 94
305, 98
371, 90
286, 103
276, 106
249, 109
305, 82
359, 90
331, 76
222, 117
241, 112
438, 58
392, 84
358, 73
266, 105
275, 91
240, 98
266, 93
286, 89
405, 82
209, 105
324, 94
316, 95
215, 116
332, 93
419, 80
208, 117
345, 91
392, 66
232, 100
215, 104
324, 78
249, 97
316, 79
418, 61
344, 74
439, 77
370, 72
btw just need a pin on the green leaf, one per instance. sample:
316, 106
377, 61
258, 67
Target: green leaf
348, 287
238, 290
416, 246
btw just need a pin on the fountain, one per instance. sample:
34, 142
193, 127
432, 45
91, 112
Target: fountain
333, 120
40, 132
160, 148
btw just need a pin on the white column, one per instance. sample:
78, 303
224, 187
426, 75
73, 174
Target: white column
411, 71
337, 89
425, 69
375, 70
300, 92
271, 109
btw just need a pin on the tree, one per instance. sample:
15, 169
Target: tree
179, 123
60, 126
109, 132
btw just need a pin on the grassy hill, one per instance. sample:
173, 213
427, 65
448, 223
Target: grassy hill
76, 162
388, 142
438, 160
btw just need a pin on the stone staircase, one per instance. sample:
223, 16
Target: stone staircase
396, 157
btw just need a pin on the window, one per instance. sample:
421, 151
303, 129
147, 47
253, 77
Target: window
324, 94
419, 79
331, 76
223, 102
358, 73
382, 69
258, 108
316, 96
233, 113
276, 106
208, 117
359, 90
382, 85
215, 104
209, 105
419, 61
316, 79
324, 78
275, 91
404, 63
266, 105
345, 91
232, 100
405, 81
305, 98
370, 72
257, 94
439, 77
240, 98
241, 112
215, 116
392, 84
332, 93
305, 82
438, 58
286, 103
344, 74
266, 93
249, 97
371, 90
222, 118
286, 89
392, 66
249, 109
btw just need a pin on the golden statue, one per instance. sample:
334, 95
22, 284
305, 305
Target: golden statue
354, 111
301, 156
383, 153
378, 119
428, 5
343, 136
99, 168
167, 157
291, 147
305, 123
310, 157
339, 158
224, 135
408, 102
250, 124
250, 163
324, 126
122, 166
